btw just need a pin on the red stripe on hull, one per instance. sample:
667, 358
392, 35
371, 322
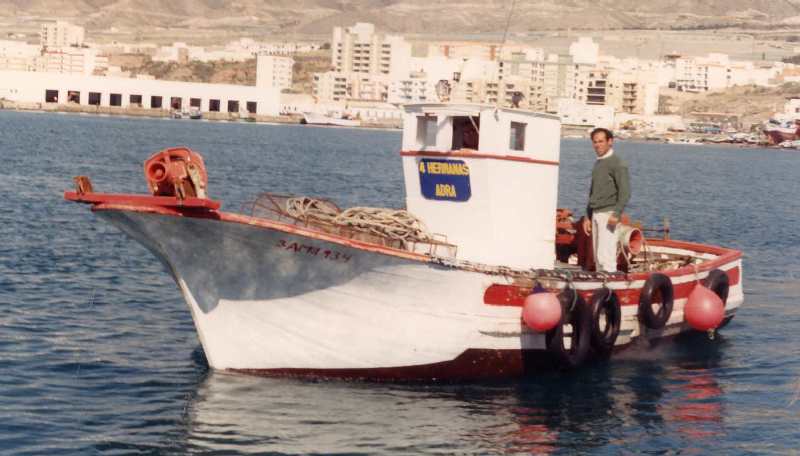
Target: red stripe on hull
514, 296
473, 364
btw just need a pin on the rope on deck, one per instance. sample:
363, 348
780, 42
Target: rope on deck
396, 224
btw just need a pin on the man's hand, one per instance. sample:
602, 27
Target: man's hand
587, 226
613, 220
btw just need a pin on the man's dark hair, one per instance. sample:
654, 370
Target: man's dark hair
605, 131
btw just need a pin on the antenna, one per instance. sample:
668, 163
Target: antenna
500, 50
505, 32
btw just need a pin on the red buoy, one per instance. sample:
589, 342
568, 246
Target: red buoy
541, 311
704, 309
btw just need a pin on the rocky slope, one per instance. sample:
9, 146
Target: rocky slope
410, 16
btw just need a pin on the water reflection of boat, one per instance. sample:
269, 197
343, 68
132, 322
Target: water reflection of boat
585, 412
254, 415
299, 287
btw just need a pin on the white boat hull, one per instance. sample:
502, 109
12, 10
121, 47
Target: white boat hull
313, 118
265, 299
277, 302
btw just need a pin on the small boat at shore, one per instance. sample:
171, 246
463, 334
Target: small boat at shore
480, 277
781, 130
684, 141
193, 113
336, 119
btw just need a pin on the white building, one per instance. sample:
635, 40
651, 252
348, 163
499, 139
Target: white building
86, 61
61, 34
574, 112
18, 56
358, 49
54, 88
178, 52
331, 86
464, 50
417, 82
715, 72
585, 51
274, 71
288, 48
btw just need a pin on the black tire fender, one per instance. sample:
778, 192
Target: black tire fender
606, 319
719, 282
656, 285
574, 312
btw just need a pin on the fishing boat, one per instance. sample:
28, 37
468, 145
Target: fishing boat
331, 118
779, 130
481, 276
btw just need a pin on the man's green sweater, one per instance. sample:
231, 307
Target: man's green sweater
610, 189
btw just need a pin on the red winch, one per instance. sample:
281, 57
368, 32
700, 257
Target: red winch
176, 172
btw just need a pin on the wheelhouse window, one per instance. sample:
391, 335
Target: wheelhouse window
195, 102
517, 141
156, 102
213, 105
252, 107
94, 98
465, 132
51, 96
233, 106
426, 131
115, 99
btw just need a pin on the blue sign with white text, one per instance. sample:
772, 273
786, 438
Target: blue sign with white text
445, 180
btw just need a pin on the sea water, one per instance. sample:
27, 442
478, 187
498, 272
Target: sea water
98, 353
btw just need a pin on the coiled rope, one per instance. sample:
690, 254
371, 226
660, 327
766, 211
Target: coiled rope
395, 224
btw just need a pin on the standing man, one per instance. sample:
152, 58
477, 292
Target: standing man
610, 192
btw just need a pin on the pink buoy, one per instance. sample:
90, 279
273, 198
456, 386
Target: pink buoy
704, 309
541, 311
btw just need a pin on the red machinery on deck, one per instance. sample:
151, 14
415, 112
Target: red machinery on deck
176, 172
176, 177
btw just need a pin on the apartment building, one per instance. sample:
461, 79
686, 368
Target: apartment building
331, 86
274, 71
85, 61
358, 49
61, 34
18, 56
715, 72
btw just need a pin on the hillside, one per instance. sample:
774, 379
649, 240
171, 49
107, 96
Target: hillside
408, 16
241, 73
752, 104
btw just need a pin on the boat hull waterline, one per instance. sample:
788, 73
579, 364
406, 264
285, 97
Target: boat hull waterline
275, 299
